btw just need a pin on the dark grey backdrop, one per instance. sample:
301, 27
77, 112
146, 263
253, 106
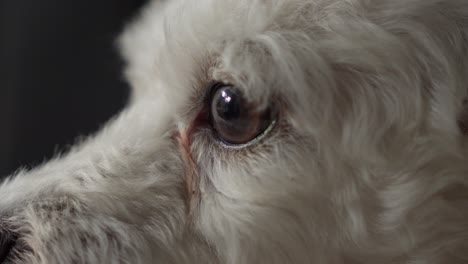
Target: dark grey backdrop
60, 75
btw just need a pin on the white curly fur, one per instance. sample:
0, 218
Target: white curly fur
365, 165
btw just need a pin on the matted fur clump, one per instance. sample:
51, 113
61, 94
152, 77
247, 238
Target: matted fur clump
266, 131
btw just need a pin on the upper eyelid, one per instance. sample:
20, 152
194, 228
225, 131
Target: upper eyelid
213, 87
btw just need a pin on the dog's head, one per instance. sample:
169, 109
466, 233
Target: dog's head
269, 131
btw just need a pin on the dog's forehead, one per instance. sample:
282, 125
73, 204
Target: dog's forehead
177, 48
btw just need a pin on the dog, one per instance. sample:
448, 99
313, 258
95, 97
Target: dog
266, 131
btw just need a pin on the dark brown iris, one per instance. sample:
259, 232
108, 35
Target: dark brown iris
234, 120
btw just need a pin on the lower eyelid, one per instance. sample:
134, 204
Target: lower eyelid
257, 140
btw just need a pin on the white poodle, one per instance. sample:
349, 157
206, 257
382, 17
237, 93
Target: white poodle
266, 131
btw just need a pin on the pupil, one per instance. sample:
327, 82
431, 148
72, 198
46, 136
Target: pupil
228, 106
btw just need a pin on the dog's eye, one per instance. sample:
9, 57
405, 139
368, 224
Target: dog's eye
233, 119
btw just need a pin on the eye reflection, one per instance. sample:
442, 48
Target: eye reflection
226, 97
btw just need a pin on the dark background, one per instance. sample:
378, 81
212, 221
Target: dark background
60, 74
